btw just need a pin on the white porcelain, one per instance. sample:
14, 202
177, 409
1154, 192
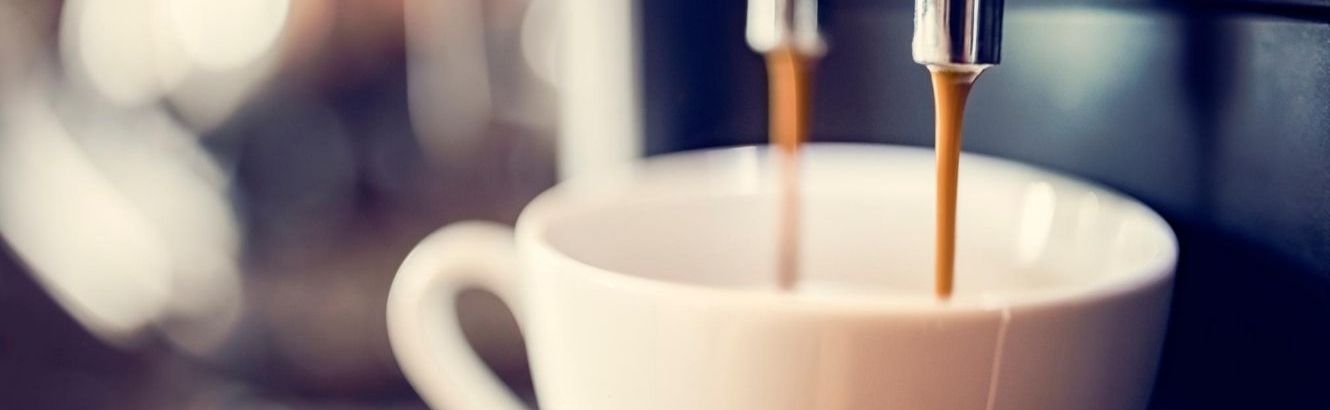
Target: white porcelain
654, 290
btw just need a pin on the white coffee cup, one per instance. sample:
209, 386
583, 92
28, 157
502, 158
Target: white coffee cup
655, 290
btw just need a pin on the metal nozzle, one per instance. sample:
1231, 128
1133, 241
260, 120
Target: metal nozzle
957, 32
784, 23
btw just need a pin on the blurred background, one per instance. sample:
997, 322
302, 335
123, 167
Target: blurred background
202, 203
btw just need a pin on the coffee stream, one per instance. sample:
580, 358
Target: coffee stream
951, 87
788, 76
789, 84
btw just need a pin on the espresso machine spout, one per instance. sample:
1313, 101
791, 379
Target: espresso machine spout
958, 33
774, 24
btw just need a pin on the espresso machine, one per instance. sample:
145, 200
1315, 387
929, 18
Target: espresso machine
1216, 114
364, 125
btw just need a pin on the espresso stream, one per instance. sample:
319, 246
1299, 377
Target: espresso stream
950, 89
788, 76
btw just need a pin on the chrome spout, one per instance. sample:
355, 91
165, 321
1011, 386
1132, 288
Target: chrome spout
957, 32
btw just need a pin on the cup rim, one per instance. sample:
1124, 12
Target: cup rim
536, 219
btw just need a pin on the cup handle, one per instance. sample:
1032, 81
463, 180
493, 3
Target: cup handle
423, 327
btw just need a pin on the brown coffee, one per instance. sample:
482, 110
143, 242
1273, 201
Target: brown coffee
789, 84
951, 87
788, 81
